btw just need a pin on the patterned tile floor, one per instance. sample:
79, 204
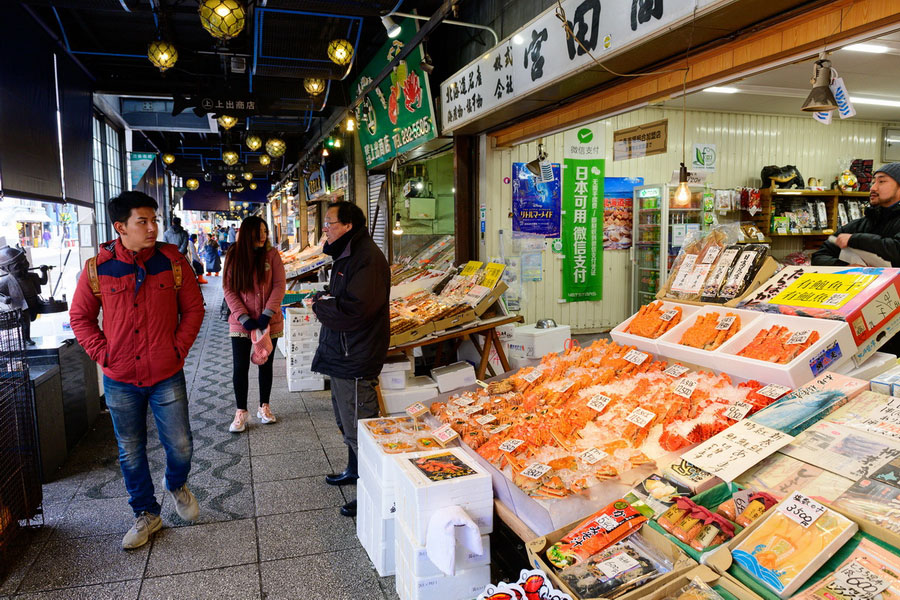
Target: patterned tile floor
269, 526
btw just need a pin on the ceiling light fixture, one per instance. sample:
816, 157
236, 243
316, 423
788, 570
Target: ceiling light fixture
226, 121
716, 89
350, 124
254, 142
162, 54
252, 186
248, 175
874, 101
338, 143
682, 197
264, 159
324, 151
192, 184
340, 51
168, 158
314, 86
330, 142
393, 30
821, 98
230, 157
230, 176
870, 48
275, 147
518, 40
223, 19
398, 228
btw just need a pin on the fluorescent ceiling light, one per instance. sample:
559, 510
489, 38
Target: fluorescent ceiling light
874, 101
870, 48
722, 90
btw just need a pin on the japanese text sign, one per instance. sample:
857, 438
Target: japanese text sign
823, 290
733, 451
582, 229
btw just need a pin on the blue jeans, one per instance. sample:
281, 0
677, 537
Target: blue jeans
128, 407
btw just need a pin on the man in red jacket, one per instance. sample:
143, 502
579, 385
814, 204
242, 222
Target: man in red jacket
152, 311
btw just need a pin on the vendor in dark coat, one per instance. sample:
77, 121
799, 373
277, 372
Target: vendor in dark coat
355, 334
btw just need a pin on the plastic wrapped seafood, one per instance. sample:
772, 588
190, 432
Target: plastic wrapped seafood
711, 330
696, 590
872, 566
653, 320
743, 271
716, 277
779, 344
600, 530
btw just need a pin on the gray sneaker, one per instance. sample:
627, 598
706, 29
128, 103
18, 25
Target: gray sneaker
185, 504
144, 526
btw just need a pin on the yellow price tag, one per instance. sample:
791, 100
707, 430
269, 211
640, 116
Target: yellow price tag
471, 268
492, 274
823, 290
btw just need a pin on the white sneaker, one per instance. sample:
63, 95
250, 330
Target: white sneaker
185, 503
264, 414
240, 422
144, 526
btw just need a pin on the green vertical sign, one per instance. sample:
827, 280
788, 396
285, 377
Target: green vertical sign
398, 115
582, 229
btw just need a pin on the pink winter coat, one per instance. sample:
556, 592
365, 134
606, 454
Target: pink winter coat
264, 297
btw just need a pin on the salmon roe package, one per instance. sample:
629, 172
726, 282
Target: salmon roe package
603, 528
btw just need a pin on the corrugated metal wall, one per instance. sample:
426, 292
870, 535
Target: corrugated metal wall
744, 143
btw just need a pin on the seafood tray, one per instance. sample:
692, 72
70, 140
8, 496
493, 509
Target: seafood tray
671, 346
620, 335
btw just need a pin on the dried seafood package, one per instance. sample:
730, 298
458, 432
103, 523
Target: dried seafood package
743, 271
717, 275
616, 570
690, 277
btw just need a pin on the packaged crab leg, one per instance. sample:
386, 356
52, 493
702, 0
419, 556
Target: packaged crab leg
603, 528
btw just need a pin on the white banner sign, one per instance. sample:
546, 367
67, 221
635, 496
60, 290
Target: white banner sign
539, 54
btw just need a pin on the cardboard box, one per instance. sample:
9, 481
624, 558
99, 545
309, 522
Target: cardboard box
490, 298
411, 335
451, 377
531, 342
455, 321
392, 380
670, 589
681, 562
418, 389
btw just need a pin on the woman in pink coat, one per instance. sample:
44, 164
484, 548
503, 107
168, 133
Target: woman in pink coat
254, 288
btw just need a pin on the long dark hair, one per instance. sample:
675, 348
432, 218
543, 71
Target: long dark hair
244, 265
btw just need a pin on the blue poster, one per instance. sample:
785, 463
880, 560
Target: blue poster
535, 204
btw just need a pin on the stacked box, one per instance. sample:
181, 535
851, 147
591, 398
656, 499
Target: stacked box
396, 372
301, 338
415, 389
380, 440
452, 377
426, 483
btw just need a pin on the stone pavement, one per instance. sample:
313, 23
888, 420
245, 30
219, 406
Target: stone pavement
269, 526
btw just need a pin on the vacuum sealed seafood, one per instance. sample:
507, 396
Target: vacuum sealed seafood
602, 529
653, 320
779, 344
711, 330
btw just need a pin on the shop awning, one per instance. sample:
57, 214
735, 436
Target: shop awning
27, 215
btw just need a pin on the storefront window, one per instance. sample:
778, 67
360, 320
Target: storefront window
107, 163
423, 196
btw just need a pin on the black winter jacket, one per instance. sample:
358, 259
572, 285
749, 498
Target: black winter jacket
355, 320
877, 232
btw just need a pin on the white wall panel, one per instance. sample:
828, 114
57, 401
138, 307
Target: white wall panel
744, 143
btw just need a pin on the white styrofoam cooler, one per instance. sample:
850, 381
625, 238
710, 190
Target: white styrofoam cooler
398, 363
464, 585
668, 345
416, 557
306, 384
376, 534
418, 497
530, 342
418, 389
454, 376
645, 344
392, 380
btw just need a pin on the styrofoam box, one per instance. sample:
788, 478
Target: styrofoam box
531, 342
648, 344
375, 534
418, 389
303, 334
297, 346
416, 556
297, 315
517, 363
300, 358
311, 384
455, 376
506, 332
875, 365
398, 363
418, 497
392, 380
668, 344
464, 585
382, 497
373, 459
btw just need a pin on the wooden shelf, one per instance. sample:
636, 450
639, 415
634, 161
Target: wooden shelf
770, 198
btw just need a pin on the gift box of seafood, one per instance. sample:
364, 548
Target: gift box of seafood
608, 565
644, 328
868, 298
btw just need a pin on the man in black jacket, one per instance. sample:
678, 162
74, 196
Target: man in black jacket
878, 231
355, 317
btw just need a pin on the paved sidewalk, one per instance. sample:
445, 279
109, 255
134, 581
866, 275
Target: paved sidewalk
269, 526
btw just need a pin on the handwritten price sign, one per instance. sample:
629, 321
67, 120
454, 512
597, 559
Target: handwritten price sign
855, 582
511, 444
773, 391
535, 471
725, 323
640, 417
676, 370
801, 509
668, 315
599, 402
685, 388
738, 410
636, 357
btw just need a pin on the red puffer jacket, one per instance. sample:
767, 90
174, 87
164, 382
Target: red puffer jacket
148, 328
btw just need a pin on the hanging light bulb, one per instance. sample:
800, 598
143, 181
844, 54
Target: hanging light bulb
223, 19
248, 175
351, 124
252, 185
168, 158
192, 184
230, 157
324, 151
230, 176
337, 142
340, 51
226, 121
393, 30
254, 142
398, 228
821, 98
314, 86
275, 147
162, 54
264, 159
239, 189
683, 192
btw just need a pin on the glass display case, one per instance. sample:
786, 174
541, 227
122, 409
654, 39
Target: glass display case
660, 227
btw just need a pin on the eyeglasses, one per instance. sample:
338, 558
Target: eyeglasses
330, 223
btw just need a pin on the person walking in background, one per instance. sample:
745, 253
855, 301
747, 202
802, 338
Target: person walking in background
152, 312
254, 286
211, 256
46, 237
222, 236
177, 236
232, 235
194, 258
355, 334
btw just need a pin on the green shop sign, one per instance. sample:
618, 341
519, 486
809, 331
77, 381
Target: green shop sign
582, 229
398, 115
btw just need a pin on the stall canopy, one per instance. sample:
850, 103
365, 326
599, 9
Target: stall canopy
29, 154
75, 115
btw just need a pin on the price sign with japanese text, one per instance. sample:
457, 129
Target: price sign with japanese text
801, 509
511, 444
416, 410
685, 388
640, 417
599, 402
618, 564
853, 581
773, 391
734, 450
676, 370
668, 315
799, 337
738, 410
444, 434
592, 456
535, 471
485, 419
725, 323
636, 357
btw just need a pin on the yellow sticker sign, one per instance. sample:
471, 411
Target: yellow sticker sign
470, 269
492, 274
823, 290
